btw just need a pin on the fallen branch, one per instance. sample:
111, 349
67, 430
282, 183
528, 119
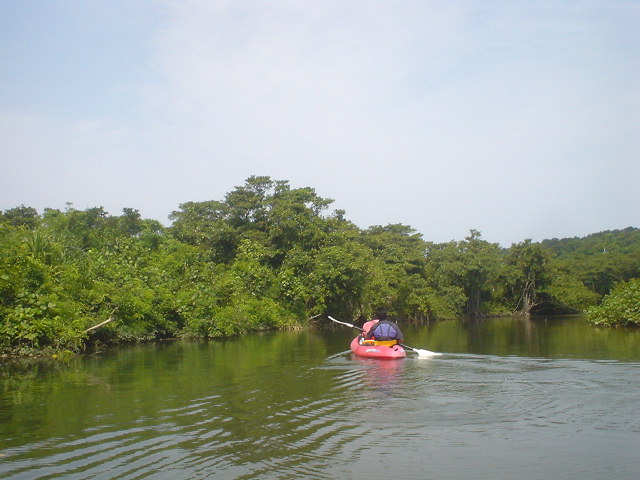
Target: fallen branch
102, 324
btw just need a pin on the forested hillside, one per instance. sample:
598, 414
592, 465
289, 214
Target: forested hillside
271, 256
601, 259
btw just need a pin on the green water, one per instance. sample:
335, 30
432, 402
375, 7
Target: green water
509, 398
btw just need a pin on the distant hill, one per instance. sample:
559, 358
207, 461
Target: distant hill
626, 241
599, 260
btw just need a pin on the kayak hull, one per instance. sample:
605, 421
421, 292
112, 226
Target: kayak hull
382, 352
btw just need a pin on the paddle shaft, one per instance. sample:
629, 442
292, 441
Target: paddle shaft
407, 346
346, 324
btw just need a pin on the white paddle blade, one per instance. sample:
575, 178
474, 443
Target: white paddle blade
425, 353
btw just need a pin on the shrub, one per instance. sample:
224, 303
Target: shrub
621, 307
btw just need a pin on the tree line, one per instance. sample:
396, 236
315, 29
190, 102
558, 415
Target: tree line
271, 256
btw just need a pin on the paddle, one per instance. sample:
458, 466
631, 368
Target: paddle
419, 351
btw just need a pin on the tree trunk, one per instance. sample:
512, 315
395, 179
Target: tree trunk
528, 298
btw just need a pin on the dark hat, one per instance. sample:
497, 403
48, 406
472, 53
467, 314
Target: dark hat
381, 313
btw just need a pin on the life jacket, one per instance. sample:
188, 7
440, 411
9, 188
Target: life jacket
385, 331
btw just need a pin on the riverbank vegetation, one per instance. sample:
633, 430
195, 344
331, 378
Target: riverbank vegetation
271, 256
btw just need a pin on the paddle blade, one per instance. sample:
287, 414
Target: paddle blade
425, 353
421, 352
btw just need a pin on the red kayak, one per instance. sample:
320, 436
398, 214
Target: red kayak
377, 349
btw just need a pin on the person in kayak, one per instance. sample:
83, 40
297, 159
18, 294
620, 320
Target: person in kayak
381, 314
381, 329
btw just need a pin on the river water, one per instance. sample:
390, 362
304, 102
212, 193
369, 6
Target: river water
509, 398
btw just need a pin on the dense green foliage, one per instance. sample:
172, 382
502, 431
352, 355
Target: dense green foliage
620, 307
268, 256
601, 260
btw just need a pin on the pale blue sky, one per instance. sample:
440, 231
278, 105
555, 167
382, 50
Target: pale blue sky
518, 119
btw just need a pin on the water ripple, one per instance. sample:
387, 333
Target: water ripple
329, 420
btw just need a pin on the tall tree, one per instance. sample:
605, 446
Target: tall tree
26, 216
481, 265
401, 269
528, 273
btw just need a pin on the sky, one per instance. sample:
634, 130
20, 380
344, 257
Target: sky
517, 119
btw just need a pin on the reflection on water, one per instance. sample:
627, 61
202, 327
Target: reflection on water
509, 398
378, 376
